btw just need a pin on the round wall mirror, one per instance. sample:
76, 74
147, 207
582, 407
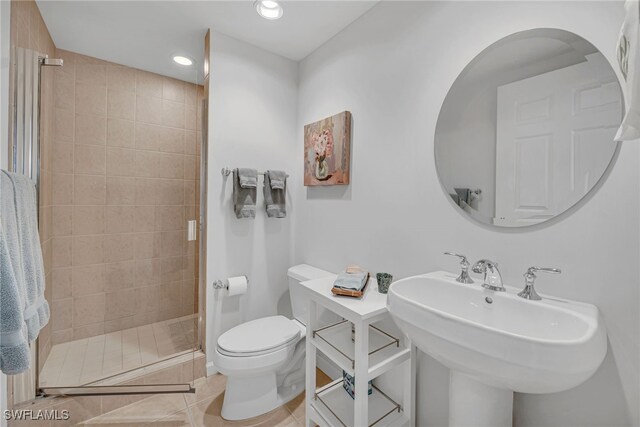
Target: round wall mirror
526, 131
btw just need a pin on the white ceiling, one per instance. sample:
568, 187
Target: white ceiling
146, 34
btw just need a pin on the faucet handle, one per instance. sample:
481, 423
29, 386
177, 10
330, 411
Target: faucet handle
529, 291
532, 270
464, 264
463, 259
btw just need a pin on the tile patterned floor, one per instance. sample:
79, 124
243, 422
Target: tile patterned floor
200, 409
91, 359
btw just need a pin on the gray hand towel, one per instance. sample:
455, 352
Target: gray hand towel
244, 197
274, 197
248, 178
278, 179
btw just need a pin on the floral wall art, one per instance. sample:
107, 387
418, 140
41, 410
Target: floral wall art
327, 147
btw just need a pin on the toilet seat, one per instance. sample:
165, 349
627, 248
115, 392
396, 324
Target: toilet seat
258, 337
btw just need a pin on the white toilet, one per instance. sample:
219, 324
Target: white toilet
263, 359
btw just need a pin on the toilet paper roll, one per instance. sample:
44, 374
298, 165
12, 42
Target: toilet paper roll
237, 285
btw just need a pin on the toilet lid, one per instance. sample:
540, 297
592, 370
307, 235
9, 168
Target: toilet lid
259, 335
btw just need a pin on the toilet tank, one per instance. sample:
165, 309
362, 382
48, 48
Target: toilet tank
299, 301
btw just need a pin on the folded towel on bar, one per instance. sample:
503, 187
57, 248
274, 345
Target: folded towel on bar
23, 308
278, 179
352, 281
629, 61
244, 197
248, 177
275, 197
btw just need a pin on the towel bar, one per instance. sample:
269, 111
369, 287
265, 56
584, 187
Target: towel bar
227, 172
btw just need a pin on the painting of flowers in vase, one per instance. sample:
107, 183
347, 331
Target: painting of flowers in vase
327, 147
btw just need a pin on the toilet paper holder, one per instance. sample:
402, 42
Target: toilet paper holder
219, 284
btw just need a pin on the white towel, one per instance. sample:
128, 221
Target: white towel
629, 61
23, 308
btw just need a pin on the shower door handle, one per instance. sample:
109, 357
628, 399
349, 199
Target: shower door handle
191, 230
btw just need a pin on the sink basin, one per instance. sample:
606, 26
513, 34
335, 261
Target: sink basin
498, 339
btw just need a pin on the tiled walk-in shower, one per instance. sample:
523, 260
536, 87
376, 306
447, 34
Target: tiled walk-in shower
91, 359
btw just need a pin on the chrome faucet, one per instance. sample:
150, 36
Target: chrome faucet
464, 265
492, 277
529, 291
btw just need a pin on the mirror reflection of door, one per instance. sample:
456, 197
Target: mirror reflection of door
551, 142
526, 131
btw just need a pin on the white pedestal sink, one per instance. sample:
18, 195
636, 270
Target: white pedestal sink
496, 343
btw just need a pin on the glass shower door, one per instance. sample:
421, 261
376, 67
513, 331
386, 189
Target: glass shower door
125, 300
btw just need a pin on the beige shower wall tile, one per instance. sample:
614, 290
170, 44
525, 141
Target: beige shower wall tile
88, 220
169, 218
145, 191
87, 280
121, 191
189, 192
61, 314
190, 118
58, 337
144, 218
61, 252
61, 283
159, 138
62, 157
91, 99
147, 272
146, 245
190, 167
121, 104
190, 95
121, 78
170, 166
64, 124
190, 140
149, 110
93, 74
120, 133
88, 250
90, 129
170, 192
119, 219
119, 275
120, 304
120, 162
62, 189
171, 269
89, 159
64, 89
147, 298
89, 190
148, 84
171, 243
173, 114
173, 90
118, 247
88, 309
88, 331
62, 216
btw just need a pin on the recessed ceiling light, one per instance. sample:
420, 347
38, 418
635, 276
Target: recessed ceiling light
183, 60
268, 9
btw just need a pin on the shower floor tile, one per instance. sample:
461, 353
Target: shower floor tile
91, 359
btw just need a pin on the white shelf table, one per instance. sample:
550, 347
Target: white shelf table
372, 353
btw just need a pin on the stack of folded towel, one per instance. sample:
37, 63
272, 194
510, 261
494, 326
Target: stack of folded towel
23, 308
275, 192
245, 183
351, 282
